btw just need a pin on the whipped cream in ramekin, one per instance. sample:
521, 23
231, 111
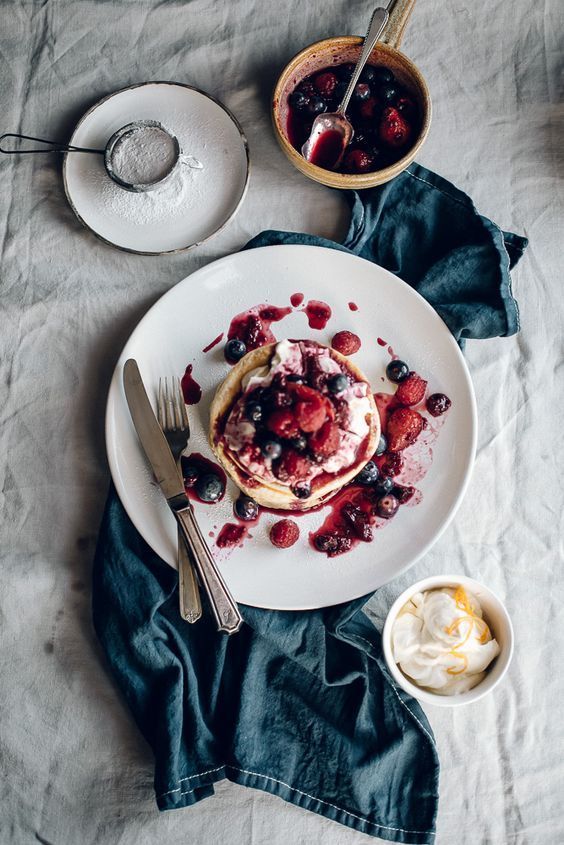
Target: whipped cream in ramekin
441, 642
290, 358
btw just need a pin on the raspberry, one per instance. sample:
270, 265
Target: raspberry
357, 161
358, 520
291, 466
325, 441
394, 128
284, 533
403, 494
325, 84
310, 409
437, 404
411, 390
390, 464
283, 423
332, 543
404, 427
346, 343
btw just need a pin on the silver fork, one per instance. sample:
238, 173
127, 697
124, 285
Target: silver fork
173, 419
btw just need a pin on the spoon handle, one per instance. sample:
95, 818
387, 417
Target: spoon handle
54, 146
377, 23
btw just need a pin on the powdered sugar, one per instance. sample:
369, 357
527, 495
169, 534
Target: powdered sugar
144, 155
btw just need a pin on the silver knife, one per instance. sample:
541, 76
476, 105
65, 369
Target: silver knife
170, 481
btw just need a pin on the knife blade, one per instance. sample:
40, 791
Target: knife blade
171, 483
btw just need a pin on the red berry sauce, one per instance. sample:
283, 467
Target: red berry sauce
231, 535
297, 299
353, 306
191, 390
327, 149
318, 313
253, 326
214, 342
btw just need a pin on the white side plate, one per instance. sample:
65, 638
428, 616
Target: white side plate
195, 205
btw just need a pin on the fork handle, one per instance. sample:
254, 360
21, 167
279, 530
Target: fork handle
224, 608
190, 602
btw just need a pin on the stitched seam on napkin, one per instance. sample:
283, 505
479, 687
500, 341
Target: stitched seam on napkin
400, 699
300, 792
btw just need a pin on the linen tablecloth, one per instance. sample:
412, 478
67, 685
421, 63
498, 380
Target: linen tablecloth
74, 767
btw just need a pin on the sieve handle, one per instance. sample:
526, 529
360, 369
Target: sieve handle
400, 12
54, 146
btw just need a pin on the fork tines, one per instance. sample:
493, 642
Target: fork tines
171, 409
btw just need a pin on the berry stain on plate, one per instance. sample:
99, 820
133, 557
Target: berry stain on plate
191, 390
318, 314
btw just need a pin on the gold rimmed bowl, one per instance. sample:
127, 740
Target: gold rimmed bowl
336, 51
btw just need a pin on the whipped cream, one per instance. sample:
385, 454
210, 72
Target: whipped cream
441, 641
291, 358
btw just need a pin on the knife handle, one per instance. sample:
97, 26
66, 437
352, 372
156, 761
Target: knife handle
190, 604
224, 608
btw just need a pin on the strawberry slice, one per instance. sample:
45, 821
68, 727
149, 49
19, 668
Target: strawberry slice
411, 390
326, 440
404, 427
394, 128
283, 423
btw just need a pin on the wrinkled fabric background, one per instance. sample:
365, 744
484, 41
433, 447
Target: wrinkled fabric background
75, 769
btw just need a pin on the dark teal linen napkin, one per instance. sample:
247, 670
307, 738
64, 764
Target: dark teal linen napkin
301, 704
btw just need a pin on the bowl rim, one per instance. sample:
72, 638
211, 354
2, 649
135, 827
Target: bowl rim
426, 696
334, 178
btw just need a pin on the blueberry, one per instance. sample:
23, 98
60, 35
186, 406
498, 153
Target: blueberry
361, 92
302, 490
345, 71
209, 487
381, 74
299, 443
370, 75
190, 474
339, 91
383, 485
387, 506
294, 377
397, 371
382, 445
270, 446
388, 92
368, 474
316, 105
234, 350
298, 100
253, 411
338, 383
246, 508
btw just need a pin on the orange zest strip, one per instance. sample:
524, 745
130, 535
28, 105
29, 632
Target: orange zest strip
452, 670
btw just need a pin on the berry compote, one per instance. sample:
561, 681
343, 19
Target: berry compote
383, 113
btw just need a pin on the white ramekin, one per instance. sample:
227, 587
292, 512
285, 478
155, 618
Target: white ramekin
495, 615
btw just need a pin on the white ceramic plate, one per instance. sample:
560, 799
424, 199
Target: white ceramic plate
178, 327
196, 204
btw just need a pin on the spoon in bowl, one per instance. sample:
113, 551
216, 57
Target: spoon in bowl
332, 132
